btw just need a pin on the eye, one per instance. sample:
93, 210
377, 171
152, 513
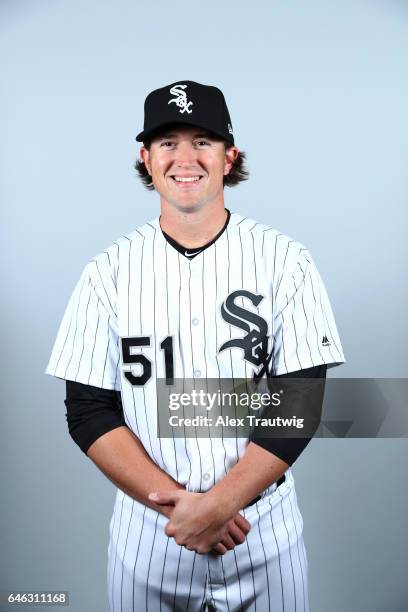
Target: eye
205, 142
166, 142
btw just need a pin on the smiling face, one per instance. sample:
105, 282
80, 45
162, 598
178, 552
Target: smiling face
187, 166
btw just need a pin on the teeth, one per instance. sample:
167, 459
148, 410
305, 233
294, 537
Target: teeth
189, 179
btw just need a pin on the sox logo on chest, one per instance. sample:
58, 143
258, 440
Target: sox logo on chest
254, 343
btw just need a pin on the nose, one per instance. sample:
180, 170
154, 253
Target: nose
185, 154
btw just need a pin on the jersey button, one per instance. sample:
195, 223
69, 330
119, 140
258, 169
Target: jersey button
197, 373
206, 476
195, 321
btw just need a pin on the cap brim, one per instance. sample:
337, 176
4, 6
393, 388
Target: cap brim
146, 133
143, 136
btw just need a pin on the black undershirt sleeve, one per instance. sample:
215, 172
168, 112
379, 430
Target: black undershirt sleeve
91, 412
289, 449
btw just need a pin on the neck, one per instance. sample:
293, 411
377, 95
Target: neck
193, 228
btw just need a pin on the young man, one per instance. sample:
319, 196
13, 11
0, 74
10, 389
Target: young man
197, 293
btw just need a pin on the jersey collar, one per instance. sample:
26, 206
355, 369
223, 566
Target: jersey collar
190, 253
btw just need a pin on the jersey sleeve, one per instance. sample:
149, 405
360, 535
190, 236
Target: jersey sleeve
86, 348
305, 333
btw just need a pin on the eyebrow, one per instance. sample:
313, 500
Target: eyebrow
170, 135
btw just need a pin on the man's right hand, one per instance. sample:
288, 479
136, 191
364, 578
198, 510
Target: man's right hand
238, 528
120, 455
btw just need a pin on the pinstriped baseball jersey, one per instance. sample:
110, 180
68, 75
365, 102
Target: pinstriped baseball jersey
252, 303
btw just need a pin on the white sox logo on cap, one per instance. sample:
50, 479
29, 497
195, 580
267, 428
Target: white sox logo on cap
190, 103
181, 100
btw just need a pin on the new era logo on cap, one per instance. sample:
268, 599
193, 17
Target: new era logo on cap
189, 103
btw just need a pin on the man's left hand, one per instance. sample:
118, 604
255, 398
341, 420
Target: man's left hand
195, 523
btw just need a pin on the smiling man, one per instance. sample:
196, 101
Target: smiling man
198, 293
187, 167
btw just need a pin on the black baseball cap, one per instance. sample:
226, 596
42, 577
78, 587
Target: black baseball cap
189, 103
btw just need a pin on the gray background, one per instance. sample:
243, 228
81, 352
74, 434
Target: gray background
316, 92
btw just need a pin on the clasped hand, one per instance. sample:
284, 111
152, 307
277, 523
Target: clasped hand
198, 525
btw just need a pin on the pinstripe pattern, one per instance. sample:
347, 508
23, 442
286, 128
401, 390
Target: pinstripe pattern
142, 286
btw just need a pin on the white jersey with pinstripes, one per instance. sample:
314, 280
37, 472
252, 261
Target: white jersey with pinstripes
142, 287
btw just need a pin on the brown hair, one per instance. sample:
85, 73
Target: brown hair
237, 174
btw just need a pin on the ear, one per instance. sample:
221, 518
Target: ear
145, 158
231, 155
